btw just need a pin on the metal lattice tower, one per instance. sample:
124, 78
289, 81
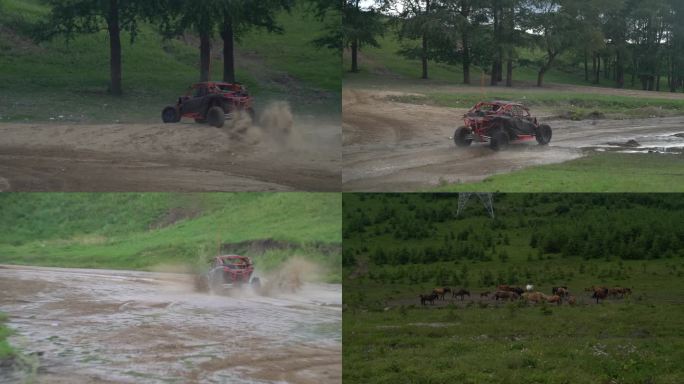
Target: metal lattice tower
485, 198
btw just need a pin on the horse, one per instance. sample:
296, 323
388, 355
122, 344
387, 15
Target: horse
509, 295
430, 297
462, 292
600, 293
441, 292
485, 294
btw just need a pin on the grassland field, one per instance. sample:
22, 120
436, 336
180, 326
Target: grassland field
390, 338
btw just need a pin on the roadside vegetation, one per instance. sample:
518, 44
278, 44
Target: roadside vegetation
398, 246
596, 172
6, 350
153, 231
68, 80
574, 106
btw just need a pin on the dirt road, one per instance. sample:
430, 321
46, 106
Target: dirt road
103, 326
395, 147
168, 157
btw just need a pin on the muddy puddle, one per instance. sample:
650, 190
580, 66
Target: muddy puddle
672, 143
132, 327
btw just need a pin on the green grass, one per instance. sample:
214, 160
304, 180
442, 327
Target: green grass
576, 105
140, 231
6, 350
599, 172
68, 82
390, 338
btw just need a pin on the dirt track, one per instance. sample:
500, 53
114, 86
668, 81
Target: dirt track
102, 326
394, 147
172, 157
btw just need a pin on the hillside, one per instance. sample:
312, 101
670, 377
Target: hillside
67, 81
146, 231
400, 246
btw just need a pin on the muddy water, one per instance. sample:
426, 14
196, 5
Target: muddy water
130, 327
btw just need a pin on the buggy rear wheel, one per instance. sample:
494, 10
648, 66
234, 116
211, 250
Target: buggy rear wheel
170, 115
462, 136
216, 117
543, 134
499, 139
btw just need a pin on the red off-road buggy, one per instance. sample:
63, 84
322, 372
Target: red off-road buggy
499, 123
210, 102
229, 271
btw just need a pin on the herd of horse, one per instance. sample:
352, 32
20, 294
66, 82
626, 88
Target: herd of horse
512, 293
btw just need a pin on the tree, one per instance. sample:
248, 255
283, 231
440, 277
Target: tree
71, 17
360, 27
422, 20
227, 18
553, 28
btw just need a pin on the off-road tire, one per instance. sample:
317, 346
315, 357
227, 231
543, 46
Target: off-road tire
460, 137
216, 117
170, 115
543, 134
499, 139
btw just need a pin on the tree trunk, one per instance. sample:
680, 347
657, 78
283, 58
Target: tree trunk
205, 55
114, 48
509, 73
466, 59
355, 56
228, 53
424, 58
606, 68
619, 72
597, 79
540, 76
586, 66
493, 77
657, 83
593, 66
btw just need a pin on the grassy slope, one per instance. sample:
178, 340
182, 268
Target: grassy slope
56, 79
118, 230
621, 341
601, 172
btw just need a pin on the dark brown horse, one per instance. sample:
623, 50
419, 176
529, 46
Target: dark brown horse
431, 297
461, 292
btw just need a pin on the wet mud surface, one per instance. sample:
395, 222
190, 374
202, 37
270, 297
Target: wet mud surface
169, 157
391, 146
103, 326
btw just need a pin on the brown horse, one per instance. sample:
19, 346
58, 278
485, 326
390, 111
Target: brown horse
555, 299
507, 295
534, 297
600, 293
462, 292
430, 297
441, 292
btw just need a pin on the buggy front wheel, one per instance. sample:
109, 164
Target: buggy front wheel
543, 134
499, 139
463, 137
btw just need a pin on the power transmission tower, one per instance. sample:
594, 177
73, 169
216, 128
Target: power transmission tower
485, 198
